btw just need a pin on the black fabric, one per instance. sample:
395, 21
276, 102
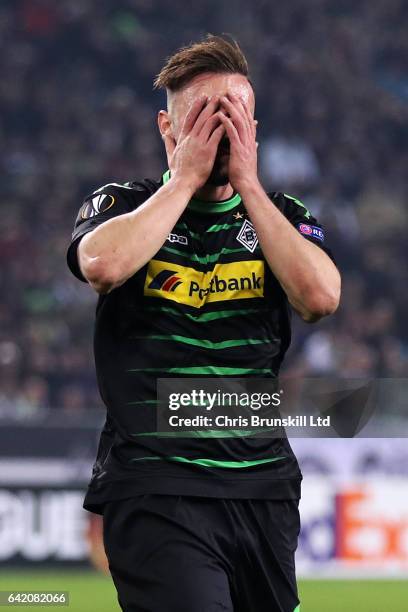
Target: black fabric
171, 553
148, 329
126, 199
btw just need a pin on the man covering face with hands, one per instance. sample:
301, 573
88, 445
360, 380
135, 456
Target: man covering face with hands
196, 273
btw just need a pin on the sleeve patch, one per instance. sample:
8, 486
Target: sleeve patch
97, 204
311, 230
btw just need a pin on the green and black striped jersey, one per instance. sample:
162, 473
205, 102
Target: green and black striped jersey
206, 305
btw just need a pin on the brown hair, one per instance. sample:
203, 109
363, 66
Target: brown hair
214, 54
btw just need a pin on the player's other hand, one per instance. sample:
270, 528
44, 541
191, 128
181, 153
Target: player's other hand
240, 128
192, 157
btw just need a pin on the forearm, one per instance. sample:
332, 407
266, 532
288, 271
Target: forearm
307, 275
115, 250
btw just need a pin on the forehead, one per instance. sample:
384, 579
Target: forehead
210, 84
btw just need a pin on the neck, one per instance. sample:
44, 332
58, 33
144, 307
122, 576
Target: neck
212, 193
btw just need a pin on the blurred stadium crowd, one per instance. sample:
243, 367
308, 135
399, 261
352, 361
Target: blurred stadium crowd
78, 110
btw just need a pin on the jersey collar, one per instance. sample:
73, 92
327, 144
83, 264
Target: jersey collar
208, 206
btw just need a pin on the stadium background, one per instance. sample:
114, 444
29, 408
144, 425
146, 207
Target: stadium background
77, 110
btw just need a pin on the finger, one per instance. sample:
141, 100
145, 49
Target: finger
246, 109
205, 114
216, 136
249, 120
231, 106
254, 124
169, 144
192, 115
209, 125
236, 116
231, 130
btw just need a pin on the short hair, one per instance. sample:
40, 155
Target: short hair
215, 54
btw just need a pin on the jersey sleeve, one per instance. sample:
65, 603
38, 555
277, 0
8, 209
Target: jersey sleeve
103, 204
303, 220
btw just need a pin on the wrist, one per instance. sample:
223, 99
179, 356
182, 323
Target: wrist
183, 184
248, 186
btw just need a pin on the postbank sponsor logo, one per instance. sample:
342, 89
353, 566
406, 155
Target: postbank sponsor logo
228, 281
165, 280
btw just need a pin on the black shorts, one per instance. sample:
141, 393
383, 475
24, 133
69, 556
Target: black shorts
171, 553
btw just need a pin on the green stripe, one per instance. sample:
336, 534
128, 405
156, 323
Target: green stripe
205, 316
191, 256
212, 228
297, 609
307, 213
205, 370
209, 207
204, 343
204, 259
224, 226
203, 433
213, 462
